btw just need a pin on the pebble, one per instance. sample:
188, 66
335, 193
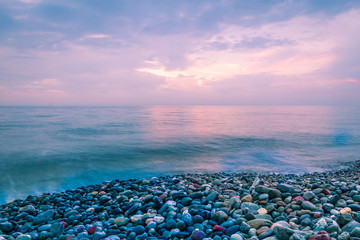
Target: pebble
218, 206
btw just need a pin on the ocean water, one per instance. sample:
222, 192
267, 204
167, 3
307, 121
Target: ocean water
47, 149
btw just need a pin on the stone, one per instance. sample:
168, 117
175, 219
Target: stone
23, 237
219, 216
274, 193
218, 228
354, 207
282, 233
350, 226
257, 223
244, 227
322, 235
138, 229
287, 188
262, 211
159, 219
44, 217
212, 196
6, 227
187, 218
29, 209
198, 235
345, 210
309, 195
236, 237
250, 206
355, 232
232, 230
247, 198
234, 203
308, 206
343, 219
57, 229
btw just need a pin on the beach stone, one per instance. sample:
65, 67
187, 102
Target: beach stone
322, 235
269, 232
281, 223
198, 235
262, 211
23, 237
282, 233
234, 203
44, 217
250, 206
283, 187
354, 207
28, 208
356, 198
341, 203
219, 216
274, 193
57, 229
138, 229
196, 195
350, 226
218, 228
355, 232
187, 218
69, 213
122, 221
232, 230
261, 189
44, 227
159, 219
6, 227
309, 195
308, 206
257, 223
247, 198
244, 227
263, 196
343, 219
345, 210
236, 237
212, 196
98, 235
344, 236
298, 198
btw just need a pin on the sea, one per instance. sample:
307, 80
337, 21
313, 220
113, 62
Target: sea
50, 149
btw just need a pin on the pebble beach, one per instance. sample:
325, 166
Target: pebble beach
313, 206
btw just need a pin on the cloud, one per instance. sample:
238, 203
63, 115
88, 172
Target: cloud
159, 50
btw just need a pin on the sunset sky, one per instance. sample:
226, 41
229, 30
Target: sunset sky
114, 52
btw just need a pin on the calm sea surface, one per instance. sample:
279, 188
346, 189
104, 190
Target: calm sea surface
45, 149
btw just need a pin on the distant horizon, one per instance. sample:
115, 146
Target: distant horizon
266, 52
189, 105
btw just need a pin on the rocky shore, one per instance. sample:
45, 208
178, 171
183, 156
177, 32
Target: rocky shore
316, 206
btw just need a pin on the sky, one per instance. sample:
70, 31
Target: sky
179, 52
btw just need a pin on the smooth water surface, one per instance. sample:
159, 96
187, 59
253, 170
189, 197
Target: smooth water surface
46, 149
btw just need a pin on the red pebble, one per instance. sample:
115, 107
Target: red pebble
92, 229
298, 198
326, 191
70, 237
322, 235
196, 185
64, 224
218, 228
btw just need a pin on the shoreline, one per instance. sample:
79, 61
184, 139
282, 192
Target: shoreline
318, 205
